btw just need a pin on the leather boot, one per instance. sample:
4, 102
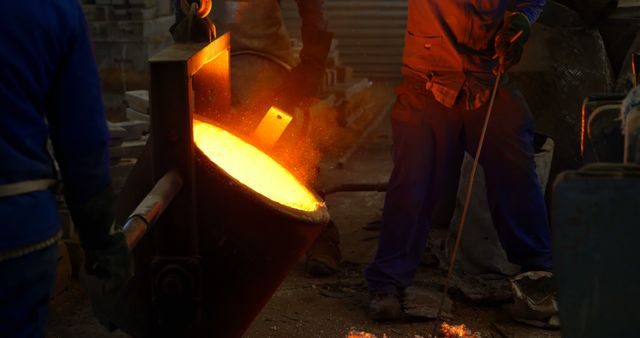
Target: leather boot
535, 303
385, 306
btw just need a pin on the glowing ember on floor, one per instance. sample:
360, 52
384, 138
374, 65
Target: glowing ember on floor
362, 334
448, 331
457, 331
252, 167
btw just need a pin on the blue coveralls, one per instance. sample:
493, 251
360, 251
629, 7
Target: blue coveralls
49, 88
438, 114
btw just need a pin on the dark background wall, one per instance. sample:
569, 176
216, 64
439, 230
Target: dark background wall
370, 33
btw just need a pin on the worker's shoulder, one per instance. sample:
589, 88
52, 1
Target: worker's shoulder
44, 18
35, 7
60, 12
68, 9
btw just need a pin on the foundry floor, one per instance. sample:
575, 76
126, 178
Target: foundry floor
328, 307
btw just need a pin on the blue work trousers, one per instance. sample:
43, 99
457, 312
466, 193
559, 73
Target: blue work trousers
429, 141
26, 284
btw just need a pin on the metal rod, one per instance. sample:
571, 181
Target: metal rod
355, 187
151, 207
467, 202
635, 67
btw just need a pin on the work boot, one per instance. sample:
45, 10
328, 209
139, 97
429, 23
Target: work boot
385, 306
324, 256
534, 300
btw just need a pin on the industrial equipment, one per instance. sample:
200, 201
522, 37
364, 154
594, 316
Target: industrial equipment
595, 217
239, 222
595, 222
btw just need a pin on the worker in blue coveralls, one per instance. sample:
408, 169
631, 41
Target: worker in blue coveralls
449, 69
50, 88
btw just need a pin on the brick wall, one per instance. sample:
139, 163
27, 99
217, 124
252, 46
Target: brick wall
125, 33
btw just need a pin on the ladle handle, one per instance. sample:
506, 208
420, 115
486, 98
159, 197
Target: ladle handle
151, 207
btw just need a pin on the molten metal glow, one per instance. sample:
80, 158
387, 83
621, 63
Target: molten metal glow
252, 167
457, 331
362, 334
447, 331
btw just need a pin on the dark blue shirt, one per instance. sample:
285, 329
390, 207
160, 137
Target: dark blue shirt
49, 88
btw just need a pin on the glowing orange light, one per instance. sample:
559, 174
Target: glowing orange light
252, 167
448, 331
273, 124
582, 127
362, 334
456, 331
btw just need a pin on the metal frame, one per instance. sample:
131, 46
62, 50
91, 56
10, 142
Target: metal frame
178, 76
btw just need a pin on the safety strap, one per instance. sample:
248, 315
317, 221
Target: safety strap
27, 249
24, 187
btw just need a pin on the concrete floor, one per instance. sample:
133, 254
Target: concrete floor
328, 307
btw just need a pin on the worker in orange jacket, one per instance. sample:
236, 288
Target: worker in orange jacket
449, 70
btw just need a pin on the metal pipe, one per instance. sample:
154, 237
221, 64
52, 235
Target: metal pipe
151, 207
354, 187
601, 99
592, 116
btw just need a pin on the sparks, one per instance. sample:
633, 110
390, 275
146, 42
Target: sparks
457, 331
362, 334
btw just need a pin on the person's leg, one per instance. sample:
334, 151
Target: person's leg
425, 144
25, 289
513, 188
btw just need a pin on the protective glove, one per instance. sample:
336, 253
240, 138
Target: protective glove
510, 52
305, 79
107, 256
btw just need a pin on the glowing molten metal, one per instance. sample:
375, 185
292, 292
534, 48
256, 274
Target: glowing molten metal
457, 331
447, 331
252, 167
362, 334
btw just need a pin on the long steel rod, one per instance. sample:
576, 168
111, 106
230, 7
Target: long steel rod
467, 202
635, 67
355, 187
151, 207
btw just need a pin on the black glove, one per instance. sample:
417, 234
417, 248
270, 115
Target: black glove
107, 255
510, 52
305, 79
